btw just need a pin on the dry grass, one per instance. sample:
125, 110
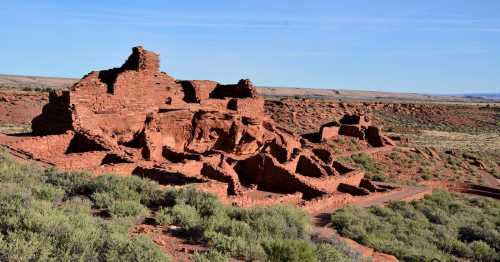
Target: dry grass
14, 129
456, 140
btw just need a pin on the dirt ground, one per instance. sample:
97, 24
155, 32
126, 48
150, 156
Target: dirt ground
17, 108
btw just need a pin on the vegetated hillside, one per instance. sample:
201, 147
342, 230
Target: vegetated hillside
443, 225
60, 216
446, 142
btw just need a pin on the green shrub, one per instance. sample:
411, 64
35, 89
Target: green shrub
127, 209
48, 216
279, 221
206, 204
289, 251
102, 199
72, 182
326, 253
47, 192
443, 225
76, 205
163, 217
426, 176
185, 216
372, 168
379, 177
234, 231
483, 252
137, 249
210, 256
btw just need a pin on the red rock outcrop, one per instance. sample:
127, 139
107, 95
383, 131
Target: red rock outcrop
137, 120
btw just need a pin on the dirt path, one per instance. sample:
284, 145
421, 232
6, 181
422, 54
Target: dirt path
377, 199
406, 194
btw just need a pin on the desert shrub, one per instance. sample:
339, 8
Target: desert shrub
124, 188
46, 215
41, 88
443, 225
127, 209
426, 176
482, 232
72, 183
483, 252
344, 160
374, 170
185, 216
364, 159
289, 251
206, 204
139, 248
76, 205
163, 217
210, 256
47, 192
66, 216
258, 233
278, 221
395, 156
326, 253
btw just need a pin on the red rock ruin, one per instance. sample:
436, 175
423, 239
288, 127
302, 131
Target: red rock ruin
137, 120
355, 125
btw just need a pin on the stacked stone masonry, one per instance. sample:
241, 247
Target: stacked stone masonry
137, 120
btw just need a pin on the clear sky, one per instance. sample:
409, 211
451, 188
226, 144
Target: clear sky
426, 46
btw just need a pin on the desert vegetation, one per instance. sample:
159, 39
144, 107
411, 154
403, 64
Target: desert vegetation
373, 170
52, 215
404, 166
14, 129
443, 225
468, 119
279, 233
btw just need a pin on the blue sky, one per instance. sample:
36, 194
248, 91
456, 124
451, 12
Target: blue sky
426, 46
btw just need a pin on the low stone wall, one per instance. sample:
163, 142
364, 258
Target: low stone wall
327, 202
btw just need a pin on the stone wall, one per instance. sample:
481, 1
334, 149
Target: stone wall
135, 119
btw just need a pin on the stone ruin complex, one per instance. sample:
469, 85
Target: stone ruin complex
137, 120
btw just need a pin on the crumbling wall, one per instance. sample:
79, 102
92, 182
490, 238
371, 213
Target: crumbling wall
197, 90
135, 119
47, 147
243, 89
268, 174
355, 125
327, 202
56, 115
